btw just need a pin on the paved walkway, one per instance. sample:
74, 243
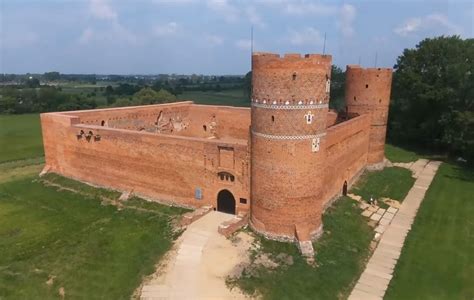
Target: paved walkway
374, 280
200, 263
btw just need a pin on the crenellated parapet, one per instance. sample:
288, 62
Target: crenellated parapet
291, 78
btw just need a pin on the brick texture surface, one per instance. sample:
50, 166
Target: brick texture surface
283, 159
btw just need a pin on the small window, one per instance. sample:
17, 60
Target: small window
102, 123
204, 127
243, 201
273, 118
294, 76
366, 86
355, 99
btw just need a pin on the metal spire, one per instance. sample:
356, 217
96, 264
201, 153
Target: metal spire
324, 45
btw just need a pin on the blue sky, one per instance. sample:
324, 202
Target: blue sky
213, 36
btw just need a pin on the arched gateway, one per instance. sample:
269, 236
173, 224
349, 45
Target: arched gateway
226, 202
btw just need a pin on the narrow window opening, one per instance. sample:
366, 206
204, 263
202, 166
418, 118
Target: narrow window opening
355, 99
204, 127
294, 76
366, 86
243, 201
102, 123
273, 118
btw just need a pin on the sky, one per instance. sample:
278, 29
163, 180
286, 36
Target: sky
214, 36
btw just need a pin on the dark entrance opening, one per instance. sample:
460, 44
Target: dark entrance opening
226, 202
344, 189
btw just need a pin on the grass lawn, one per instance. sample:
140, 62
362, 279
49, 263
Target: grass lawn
227, 97
340, 256
437, 261
393, 183
397, 154
91, 249
20, 137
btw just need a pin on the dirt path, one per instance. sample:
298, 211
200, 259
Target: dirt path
201, 261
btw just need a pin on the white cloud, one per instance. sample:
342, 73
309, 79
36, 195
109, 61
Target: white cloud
101, 9
113, 34
344, 14
346, 19
433, 23
177, 2
223, 7
243, 44
253, 16
307, 36
213, 40
167, 29
304, 8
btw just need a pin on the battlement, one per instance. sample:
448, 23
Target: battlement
356, 70
275, 60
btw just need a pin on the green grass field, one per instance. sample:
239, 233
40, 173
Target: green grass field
20, 137
437, 261
340, 256
393, 183
58, 233
76, 241
398, 154
227, 97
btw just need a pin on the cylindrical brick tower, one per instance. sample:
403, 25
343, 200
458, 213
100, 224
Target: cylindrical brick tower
290, 97
368, 92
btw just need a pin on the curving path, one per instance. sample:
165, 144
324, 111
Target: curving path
200, 264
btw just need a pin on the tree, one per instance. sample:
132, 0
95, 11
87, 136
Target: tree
248, 85
338, 79
149, 96
51, 76
433, 95
32, 82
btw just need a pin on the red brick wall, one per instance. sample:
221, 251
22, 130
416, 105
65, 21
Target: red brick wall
346, 154
286, 180
164, 167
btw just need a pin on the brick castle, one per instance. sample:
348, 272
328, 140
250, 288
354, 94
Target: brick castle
282, 161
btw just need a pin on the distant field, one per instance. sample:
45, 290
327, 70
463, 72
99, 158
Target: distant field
20, 137
228, 97
85, 89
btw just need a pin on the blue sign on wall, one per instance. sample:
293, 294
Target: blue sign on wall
198, 193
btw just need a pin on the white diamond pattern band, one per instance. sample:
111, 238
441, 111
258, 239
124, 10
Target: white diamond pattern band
288, 137
299, 106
